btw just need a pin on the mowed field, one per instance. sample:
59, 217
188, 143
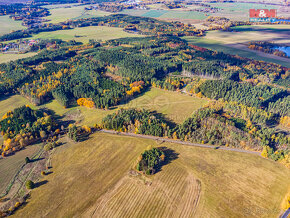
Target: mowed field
173, 105
92, 179
7, 25
9, 166
67, 12
84, 34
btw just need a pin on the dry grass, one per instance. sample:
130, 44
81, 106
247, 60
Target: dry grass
91, 178
84, 34
12, 57
10, 165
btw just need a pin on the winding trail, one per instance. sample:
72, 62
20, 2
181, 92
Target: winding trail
178, 141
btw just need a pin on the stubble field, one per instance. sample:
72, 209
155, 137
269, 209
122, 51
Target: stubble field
94, 178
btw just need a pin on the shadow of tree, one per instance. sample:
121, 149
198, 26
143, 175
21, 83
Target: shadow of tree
36, 159
38, 184
170, 155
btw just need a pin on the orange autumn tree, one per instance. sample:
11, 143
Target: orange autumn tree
135, 87
87, 102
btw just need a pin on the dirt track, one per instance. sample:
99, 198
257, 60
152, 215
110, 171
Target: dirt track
179, 142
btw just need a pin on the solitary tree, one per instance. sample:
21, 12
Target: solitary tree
29, 184
27, 160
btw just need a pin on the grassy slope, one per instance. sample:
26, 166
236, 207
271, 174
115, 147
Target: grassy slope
10, 165
175, 106
7, 25
92, 178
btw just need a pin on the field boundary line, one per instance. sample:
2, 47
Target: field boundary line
179, 142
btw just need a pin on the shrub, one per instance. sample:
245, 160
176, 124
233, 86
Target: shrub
150, 160
51, 145
29, 184
27, 160
48, 147
17, 204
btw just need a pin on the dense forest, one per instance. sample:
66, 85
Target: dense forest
23, 127
137, 121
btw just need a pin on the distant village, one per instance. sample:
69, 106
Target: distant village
18, 47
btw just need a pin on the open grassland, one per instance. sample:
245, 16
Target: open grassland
12, 57
175, 106
10, 165
92, 179
84, 34
7, 25
61, 14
